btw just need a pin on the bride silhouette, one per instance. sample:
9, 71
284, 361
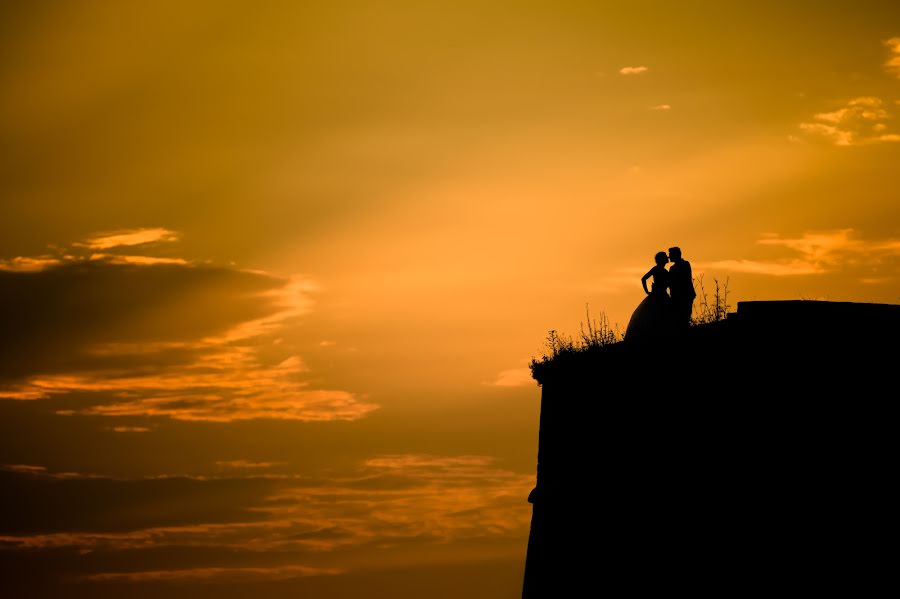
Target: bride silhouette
652, 316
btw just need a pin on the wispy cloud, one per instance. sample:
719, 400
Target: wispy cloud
661, 107
893, 62
821, 246
28, 264
819, 253
861, 121
43, 472
160, 337
86, 250
128, 237
431, 464
224, 383
386, 501
633, 70
24, 468
217, 574
761, 267
139, 260
514, 377
247, 464
20, 392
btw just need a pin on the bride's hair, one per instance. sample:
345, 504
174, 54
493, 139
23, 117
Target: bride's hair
661, 257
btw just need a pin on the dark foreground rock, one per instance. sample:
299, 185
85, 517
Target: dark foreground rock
756, 454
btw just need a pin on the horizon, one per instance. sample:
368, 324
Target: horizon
271, 278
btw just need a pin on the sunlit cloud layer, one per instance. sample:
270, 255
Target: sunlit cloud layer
143, 260
819, 253
823, 246
24, 468
105, 241
861, 121
513, 377
236, 574
270, 278
217, 374
76, 253
43, 472
893, 63
388, 501
247, 464
28, 264
758, 267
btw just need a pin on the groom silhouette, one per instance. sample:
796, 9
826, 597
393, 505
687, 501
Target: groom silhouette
681, 288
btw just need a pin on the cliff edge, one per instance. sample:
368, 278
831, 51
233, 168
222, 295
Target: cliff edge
754, 454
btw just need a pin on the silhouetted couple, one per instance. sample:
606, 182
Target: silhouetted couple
661, 313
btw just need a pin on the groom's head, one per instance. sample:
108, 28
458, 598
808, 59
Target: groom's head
674, 254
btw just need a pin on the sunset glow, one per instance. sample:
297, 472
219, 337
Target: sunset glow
271, 275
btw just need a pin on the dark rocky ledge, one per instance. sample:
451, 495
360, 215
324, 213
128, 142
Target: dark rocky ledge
755, 454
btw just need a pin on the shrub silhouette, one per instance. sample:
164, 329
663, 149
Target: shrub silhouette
597, 333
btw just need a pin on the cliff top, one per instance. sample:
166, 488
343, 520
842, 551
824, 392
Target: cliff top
756, 330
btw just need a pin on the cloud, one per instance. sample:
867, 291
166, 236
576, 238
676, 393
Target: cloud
223, 395
435, 463
406, 497
130, 429
757, 267
217, 574
141, 336
661, 108
142, 260
43, 508
819, 253
245, 464
42, 472
514, 377
862, 121
26, 264
191, 529
128, 237
24, 468
385, 502
633, 70
822, 246
100, 241
892, 65
838, 136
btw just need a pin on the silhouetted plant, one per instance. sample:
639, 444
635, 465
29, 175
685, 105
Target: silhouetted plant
558, 343
594, 334
706, 312
599, 333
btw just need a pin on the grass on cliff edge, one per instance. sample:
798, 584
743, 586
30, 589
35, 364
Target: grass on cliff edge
597, 333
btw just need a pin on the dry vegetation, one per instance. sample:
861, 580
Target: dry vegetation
597, 333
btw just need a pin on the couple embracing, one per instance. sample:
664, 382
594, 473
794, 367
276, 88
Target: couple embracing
669, 300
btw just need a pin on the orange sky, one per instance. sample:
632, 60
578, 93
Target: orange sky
270, 276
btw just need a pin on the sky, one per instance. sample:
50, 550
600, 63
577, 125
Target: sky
271, 274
